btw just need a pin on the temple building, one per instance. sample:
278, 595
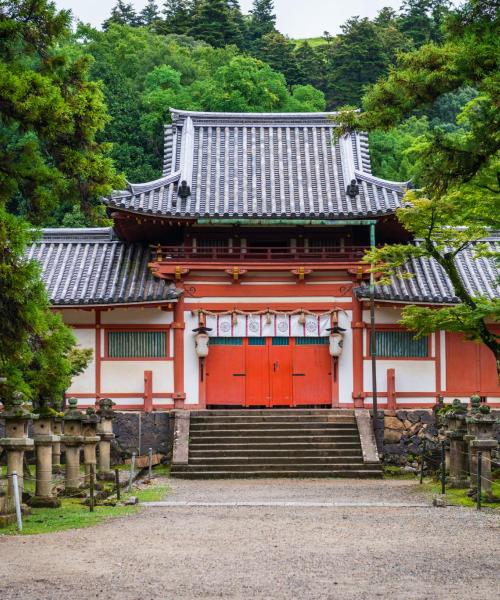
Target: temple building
235, 279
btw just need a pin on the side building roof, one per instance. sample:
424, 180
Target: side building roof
266, 165
429, 284
89, 267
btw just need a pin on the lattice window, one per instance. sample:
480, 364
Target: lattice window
311, 341
137, 344
400, 344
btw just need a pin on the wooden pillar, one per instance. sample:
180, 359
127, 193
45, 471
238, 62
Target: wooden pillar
178, 326
357, 352
148, 391
391, 389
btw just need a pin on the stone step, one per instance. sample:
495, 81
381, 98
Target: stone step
271, 451
272, 432
258, 437
361, 473
302, 466
240, 419
243, 447
295, 426
275, 460
272, 411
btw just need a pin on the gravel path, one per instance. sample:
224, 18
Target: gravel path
269, 552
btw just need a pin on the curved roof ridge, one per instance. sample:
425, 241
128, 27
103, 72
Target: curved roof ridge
140, 188
249, 115
369, 177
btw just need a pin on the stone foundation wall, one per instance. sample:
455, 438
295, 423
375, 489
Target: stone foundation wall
405, 430
139, 431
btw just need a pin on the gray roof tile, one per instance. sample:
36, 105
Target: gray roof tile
262, 165
429, 284
91, 267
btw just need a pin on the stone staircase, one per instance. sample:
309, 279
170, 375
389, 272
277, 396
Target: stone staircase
274, 443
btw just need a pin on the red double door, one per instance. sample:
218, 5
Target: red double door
268, 372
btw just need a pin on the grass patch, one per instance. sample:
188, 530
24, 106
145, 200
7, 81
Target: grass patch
394, 472
74, 515
316, 41
459, 497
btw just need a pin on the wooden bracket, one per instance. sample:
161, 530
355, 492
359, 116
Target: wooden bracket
301, 273
236, 273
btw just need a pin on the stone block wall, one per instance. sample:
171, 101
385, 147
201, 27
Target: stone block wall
405, 430
139, 431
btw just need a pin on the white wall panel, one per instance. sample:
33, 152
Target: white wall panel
411, 375
77, 317
136, 316
191, 360
127, 376
85, 382
345, 368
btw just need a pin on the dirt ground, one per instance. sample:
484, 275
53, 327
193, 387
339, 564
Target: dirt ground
337, 539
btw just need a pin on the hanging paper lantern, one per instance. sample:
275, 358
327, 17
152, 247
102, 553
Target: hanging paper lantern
302, 318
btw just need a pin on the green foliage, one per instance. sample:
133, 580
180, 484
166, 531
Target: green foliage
457, 167
391, 150
214, 22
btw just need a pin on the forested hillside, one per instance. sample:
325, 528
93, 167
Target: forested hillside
208, 55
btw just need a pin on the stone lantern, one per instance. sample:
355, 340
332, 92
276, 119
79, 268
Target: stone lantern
16, 441
72, 440
56, 446
456, 431
90, 439
480, 424
105, 432
44, 438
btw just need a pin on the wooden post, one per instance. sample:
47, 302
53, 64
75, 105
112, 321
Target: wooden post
357, 352
148, 391
391, 389
178, 327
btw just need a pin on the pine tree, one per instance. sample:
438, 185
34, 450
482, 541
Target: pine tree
122, 14
150, 14
262, 20
215, 24
178, 17
422, 20
277, 51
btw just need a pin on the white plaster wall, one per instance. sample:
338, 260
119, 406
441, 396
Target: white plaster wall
85, 382
383, 315
136, 316
127, 376
191, 360
411, 375
345, 367
77, 317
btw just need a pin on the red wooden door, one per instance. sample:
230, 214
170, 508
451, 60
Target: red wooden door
257, 372
280, 371
225, 372
312, 372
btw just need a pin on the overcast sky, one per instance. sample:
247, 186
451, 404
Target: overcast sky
296, 18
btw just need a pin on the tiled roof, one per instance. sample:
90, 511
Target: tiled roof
429, 283
91, 267
262, 165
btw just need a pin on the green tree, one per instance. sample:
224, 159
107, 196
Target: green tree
122, 14
422, 20
150, 14
459, 193
178, 17
50, 116
311, 65
358, 59
214, 23
276, 50
262, 19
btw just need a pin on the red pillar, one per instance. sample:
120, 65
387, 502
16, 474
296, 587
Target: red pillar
391, 389
357, 352
148, 391
178, 326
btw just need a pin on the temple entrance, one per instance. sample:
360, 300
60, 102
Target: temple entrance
269, 371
